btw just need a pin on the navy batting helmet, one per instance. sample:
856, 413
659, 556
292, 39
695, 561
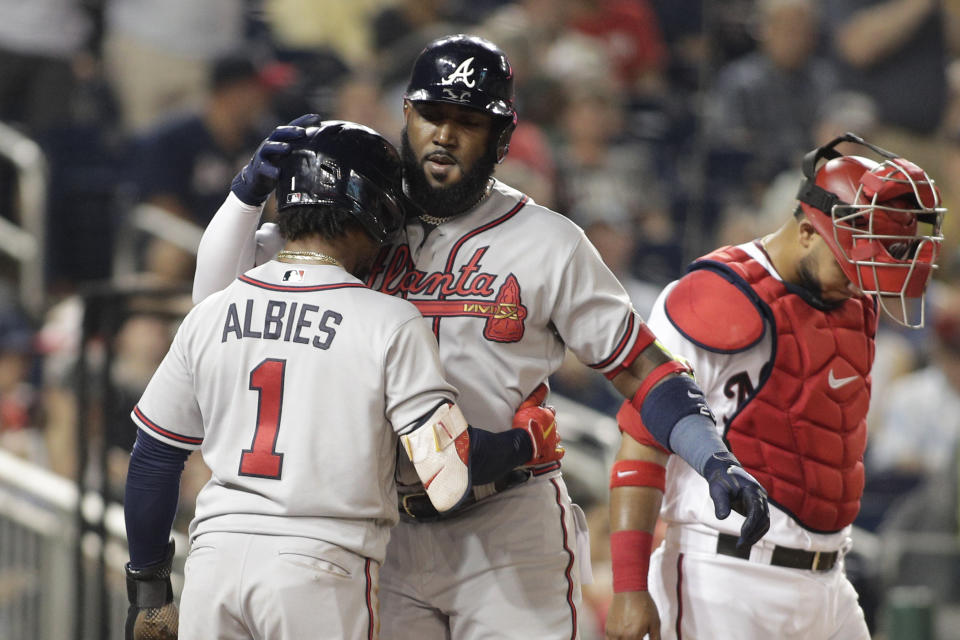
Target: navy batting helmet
468, 71
349, 166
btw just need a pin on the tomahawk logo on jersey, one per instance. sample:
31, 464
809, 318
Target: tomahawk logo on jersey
469, 293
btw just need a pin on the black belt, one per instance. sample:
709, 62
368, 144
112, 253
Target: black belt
416, 507
782, 556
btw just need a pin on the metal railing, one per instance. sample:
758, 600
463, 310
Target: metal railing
38, 542
147, 220
25, 241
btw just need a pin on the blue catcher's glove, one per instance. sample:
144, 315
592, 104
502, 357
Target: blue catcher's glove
257, 180
732, 487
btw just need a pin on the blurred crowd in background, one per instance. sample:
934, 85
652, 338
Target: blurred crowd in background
664, 128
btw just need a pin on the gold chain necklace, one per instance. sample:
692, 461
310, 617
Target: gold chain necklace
433, 220
436, 221
312, 256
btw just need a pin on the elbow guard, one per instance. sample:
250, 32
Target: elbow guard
440, 452
662, 406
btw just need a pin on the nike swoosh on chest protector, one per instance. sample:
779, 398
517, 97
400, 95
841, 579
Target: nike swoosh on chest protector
836, 383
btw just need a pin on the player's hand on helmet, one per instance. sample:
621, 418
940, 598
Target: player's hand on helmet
632, 615
540, 422
257, 180
152, 614
731, 487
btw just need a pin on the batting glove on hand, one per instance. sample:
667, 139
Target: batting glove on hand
152, 615
540, 422
732, 487
257, 180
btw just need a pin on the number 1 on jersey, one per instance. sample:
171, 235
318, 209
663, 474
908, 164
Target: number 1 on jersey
262, 459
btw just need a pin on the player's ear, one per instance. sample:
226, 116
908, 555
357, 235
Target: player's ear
807, 233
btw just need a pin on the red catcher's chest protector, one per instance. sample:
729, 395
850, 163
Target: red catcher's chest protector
803, 430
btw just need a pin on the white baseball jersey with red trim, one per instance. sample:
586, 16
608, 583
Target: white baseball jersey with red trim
294, 382
688, 578
720, 375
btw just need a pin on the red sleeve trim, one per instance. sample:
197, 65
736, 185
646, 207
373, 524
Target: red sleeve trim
641, 341
153, 426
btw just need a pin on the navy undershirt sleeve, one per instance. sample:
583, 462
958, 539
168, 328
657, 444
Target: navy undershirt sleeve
151, 497
494, 454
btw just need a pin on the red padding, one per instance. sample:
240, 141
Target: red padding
629, 421
713, 312
655, 376
637, 473
630, 556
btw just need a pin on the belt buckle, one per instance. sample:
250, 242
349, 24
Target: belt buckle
403, 502
816, 561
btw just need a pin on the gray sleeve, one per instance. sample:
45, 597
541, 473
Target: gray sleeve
414, 380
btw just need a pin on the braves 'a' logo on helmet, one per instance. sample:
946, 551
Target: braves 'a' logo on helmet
462, 74
482, 79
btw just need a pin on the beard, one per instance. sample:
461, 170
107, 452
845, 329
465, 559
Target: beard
445, 202
812, 285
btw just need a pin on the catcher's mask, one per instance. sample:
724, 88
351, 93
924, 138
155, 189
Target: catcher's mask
346, 165
870, 215
471, 72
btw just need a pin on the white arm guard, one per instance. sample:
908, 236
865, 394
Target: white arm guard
440, 452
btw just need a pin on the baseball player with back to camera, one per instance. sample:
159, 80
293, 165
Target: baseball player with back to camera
504, 285
294, 382
781, 334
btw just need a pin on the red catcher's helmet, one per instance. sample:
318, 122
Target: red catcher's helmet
881, 220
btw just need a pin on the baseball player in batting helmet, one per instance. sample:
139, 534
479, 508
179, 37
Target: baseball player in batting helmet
781, 333
506, 286
297, 383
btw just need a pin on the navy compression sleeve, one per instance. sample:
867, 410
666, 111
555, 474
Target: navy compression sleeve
151, 497
494, 454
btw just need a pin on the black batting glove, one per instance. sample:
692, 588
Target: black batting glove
257, 180
152, 615
731, 487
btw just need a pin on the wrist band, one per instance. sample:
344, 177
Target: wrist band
637, 473
630, 556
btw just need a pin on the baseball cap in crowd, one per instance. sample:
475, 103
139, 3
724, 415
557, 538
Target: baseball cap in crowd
231, 69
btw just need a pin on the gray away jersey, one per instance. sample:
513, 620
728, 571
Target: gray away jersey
505, 288
294, 382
